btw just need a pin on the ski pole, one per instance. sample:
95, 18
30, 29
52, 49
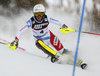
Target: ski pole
3, 43
87, 32
65, 31
8, 43
10, 46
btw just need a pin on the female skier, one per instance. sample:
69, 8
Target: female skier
44, 37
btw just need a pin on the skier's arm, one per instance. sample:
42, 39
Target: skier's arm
14, 43
64, 28
23, 29
55, 21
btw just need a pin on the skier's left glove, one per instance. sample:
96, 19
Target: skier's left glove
64, 26
14, 45
64, 29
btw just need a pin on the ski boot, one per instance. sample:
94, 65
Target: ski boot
55, 58
82, 64
66, 51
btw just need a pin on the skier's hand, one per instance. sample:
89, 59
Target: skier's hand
64, 26
65, 29
14, 45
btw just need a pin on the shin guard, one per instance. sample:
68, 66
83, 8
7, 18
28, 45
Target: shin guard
46, 49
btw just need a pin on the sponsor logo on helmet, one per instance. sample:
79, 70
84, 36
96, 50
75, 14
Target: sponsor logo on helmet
38, 10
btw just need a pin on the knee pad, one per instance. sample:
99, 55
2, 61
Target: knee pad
46, 49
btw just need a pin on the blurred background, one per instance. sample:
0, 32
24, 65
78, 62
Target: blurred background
14, 13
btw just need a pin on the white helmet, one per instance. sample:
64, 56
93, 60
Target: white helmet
38, 8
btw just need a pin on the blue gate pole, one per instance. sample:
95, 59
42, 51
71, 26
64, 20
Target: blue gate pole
76, 53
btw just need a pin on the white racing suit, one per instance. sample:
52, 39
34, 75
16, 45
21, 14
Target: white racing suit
41, 32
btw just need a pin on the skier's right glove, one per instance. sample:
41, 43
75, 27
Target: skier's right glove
13, 45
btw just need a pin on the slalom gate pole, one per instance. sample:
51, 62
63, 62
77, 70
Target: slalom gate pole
76, 53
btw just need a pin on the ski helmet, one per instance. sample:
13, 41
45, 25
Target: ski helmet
38, 8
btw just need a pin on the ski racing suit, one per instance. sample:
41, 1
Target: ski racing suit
41, 32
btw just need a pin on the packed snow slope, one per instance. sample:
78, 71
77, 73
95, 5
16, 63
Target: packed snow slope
33, 62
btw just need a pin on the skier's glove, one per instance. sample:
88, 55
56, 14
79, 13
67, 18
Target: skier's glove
64, 26
14, 45
64, 29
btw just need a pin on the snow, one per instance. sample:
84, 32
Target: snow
33, 62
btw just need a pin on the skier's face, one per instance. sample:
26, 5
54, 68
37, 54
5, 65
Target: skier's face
39, 16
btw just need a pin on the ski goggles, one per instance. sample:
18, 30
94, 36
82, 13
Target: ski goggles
39, 14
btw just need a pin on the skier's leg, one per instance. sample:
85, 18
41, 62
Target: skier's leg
55, 42
46, 49
67, 57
